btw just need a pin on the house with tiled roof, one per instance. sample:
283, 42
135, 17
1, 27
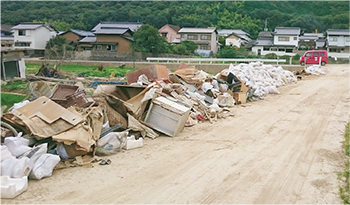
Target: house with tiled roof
283, 41
112, 38
169, 32
235, 37
205, 38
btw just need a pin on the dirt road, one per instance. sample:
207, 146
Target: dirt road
283, 149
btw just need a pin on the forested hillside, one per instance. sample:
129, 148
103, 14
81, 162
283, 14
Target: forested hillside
247, 15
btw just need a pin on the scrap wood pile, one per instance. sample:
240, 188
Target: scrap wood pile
66, 127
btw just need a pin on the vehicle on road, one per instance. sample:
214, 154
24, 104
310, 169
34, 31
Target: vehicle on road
314, 57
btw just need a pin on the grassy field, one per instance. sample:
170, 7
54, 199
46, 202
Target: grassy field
83, 70
10, 99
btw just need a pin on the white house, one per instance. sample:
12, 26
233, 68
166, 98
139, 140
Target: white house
338, 43
32, 36
235, 37
205, 38
283, 41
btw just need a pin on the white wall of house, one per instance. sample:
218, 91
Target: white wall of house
233, 42
213, 43
37, 38
291, 40
338, 40
255, 50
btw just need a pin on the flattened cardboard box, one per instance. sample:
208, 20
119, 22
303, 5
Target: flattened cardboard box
45, 118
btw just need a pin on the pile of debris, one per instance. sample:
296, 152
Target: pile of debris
65, 126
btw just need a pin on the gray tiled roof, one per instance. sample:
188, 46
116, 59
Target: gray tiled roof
226, 32
338, 32
264, 42
197, 30
88, 39
82, 33
32, 26
287, 31
118, 31
133, 26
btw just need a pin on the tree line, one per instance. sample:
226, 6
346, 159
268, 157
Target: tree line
249, 16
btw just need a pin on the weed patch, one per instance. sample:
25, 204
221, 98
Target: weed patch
344, 188
9, 100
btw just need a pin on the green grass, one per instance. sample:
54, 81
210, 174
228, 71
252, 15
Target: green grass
10, 99
344, 188
83, 70
16, 85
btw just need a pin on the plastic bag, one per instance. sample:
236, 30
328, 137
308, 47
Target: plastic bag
44, 166
5, 153
15, 168
112, 143
17, 145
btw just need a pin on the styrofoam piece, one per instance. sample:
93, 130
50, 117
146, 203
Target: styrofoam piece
131, 143
10, 187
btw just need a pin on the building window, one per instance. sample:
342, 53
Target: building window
164, 35
333, 39
203, 47
98, 47
347, 39
205, 37
21, 32
266, 48
22, 44
282, 38
192, 37
295, 38
289, 50
182, 35
111, 47
273, 49
281, 49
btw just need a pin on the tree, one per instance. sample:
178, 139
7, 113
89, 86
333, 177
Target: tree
57, 48
226, 52
148, 40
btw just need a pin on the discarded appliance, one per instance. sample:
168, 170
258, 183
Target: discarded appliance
167, 116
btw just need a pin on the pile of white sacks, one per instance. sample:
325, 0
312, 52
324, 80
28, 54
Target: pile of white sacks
315, 70
263, 79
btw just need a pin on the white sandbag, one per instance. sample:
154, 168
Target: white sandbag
21, 168
206, 86
44, 166
17, 145
112, 143
7, 166
5, 153
34, 153
272, 90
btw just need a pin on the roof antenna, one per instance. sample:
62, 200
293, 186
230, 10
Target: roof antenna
265, 29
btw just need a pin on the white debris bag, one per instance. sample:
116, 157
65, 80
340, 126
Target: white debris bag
111, 143
5, 153
44, 166
17, 145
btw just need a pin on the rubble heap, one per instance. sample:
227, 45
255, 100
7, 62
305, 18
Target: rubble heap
66, 127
